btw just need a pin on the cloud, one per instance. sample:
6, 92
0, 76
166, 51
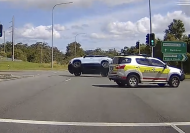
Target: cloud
29, 31
142, 26
98, 36
82, 3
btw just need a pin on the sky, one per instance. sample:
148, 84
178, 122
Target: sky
105, 24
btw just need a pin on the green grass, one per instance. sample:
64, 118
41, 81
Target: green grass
187, 76
19, 65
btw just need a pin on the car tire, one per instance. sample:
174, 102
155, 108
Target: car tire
104, 74
120, 83
77, 73
105, 64
132, 81
161, 85
76, 64
174, 81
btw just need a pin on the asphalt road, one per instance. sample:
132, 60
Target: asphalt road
57, 102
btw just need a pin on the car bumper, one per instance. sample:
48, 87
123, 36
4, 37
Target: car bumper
116, 77
182, 78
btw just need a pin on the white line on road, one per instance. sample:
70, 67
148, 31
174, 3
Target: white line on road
67, 79
177, 129
99, 124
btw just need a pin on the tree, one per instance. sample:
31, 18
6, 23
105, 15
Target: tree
71, 50
175, 31
20, 55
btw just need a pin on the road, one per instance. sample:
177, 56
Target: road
57, 102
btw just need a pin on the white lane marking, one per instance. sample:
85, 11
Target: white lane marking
67, 79
177, 129
92, 124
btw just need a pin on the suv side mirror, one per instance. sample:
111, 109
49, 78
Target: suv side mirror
84, 56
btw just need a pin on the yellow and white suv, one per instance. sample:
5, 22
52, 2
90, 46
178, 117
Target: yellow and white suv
134, 69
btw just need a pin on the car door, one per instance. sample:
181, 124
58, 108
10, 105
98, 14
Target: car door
144, 66
87, 60
160, 73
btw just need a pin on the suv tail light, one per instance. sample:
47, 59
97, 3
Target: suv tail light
120, 67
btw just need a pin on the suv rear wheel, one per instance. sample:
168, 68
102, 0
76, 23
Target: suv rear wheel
76, 64
105, 64
132, 81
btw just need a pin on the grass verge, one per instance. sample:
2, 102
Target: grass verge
187, 76
19, 65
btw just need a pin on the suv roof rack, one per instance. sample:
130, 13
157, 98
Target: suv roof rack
144, 55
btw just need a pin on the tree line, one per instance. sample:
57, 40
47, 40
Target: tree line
41, 52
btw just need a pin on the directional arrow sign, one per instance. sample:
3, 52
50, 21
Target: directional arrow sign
175, 57
174, 47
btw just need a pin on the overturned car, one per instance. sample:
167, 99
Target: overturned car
90, 64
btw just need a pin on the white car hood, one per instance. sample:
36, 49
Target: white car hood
173, 69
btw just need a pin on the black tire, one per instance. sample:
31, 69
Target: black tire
132, 81
120, 83
104, 74
105, 64
76, 64
70, 68
174, 81
161, 85
77, 73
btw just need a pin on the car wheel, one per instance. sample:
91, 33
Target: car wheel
105, 64
161, 85
77, 74
174, 81
104, 74
77, 64
132, 81
120, 84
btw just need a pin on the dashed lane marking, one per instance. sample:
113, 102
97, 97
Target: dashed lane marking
67, 79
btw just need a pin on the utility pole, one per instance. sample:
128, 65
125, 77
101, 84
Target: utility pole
41, 55
12, 38
4, 42
152, 51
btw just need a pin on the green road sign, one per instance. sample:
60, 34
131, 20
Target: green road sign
175, 57
174, 47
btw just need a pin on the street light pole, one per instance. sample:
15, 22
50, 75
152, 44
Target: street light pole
52, 30
152, 51
76, 42
4, 42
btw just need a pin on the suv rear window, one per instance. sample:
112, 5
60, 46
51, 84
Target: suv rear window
121, 60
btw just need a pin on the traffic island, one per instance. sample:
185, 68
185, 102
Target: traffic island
6, 77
